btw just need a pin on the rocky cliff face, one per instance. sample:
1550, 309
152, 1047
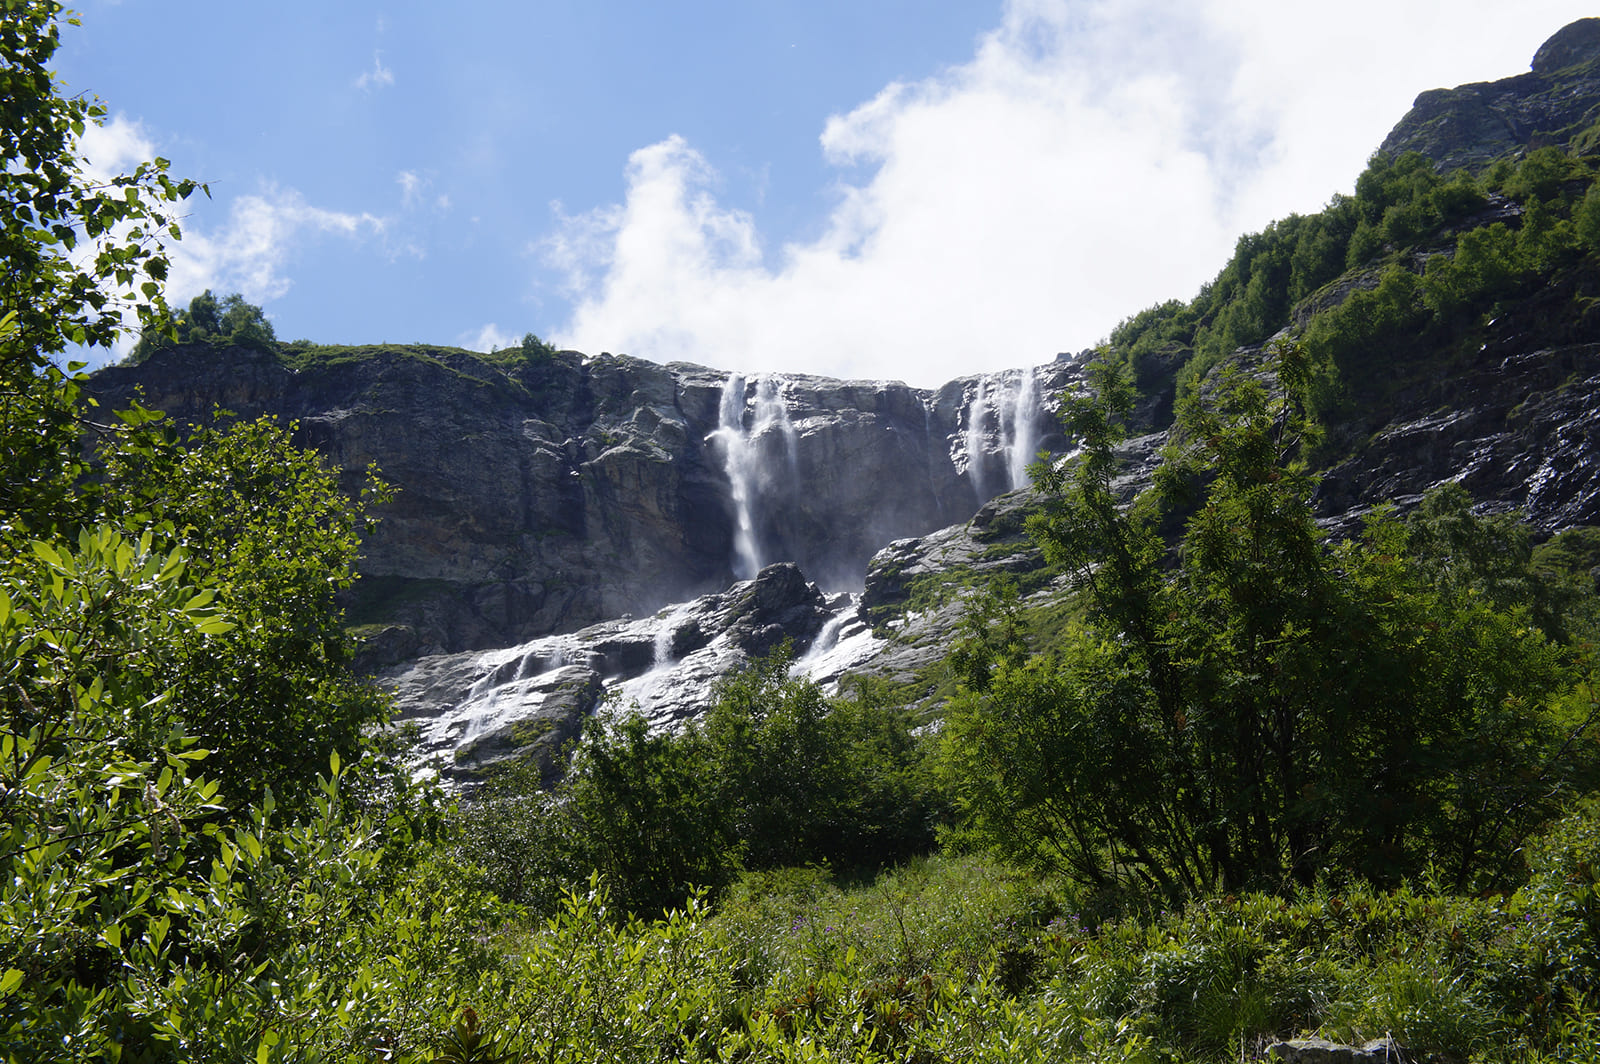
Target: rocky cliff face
556, 508
1556, 103
474, 709
541, 496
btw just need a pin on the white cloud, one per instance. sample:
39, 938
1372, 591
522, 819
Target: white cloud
249, 252
411, 187
114, 148
1090, 159
488, 338
376, 78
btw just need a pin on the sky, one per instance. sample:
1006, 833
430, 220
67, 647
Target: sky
857, 188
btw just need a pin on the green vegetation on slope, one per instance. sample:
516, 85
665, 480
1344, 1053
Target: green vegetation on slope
1275, 785
1407, 275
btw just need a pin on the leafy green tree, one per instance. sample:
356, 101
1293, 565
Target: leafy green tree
141, 918
230, 320
775, 775
1272, 709
1542, 173
992, 633
645, 806
78, 254
272, 532
808, 780
534, 349
1586, 219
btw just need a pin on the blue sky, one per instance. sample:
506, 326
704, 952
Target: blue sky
876, 188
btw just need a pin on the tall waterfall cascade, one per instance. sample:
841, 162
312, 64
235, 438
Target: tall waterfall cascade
977, 430
1020, 427
748, 461
1003, 414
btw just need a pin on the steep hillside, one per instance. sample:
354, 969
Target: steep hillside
1452, 300
1556, 103
538, 495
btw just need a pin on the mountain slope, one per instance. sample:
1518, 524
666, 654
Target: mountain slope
1458, 315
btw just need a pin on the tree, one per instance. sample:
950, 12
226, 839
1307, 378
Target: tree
809, 780
775, 775
646, 811
140, 918
230, 320
534, 349
77, 255
1273, 708
269, 528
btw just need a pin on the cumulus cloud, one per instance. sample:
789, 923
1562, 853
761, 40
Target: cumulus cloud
250, 251
376, 78
1091, 158
489, 338
114, 147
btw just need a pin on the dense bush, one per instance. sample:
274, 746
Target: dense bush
1275, 709
207, 319
1408, 229
775, 775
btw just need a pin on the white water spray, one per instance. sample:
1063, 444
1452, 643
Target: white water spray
977, 448
1002, 417
826, 639
1019, 422
744, 460
667, 632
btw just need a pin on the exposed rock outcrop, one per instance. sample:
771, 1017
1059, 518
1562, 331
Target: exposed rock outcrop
475, 709
1556, 103
542, 495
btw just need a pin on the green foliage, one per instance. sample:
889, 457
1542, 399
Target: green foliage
813, 781
1402, 210
1587, 219
78, 254
78, 251
228, 321
534, 349
149, 585
1274, 709
1359, 334
138, 918
957, 958
991, 634
646, 815
276, 538
1568, 566
775, 775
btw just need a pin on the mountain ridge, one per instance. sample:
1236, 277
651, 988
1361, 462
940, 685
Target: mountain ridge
1459, 316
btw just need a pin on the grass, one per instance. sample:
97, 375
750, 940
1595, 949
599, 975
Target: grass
960, 958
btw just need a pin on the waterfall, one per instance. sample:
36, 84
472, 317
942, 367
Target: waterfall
1020, 425
827, 638
772, 413
1011, 402
977, 414
667, 631
738, 463
744, 460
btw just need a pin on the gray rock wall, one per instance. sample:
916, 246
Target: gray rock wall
545, 496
